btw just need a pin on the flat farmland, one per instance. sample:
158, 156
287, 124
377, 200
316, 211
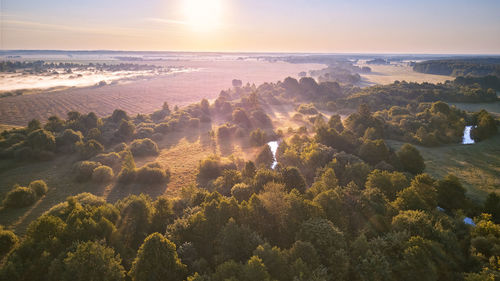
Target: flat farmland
147, 95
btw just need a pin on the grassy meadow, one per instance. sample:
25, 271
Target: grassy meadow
477, 165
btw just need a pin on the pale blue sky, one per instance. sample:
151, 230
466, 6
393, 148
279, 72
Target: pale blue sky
439, 26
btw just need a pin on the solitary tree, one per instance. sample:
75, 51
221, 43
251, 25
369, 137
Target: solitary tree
411, 160
157, 260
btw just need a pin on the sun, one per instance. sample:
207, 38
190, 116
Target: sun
203, 15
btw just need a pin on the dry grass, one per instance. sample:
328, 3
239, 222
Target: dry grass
4, 127
386, 74
56, 173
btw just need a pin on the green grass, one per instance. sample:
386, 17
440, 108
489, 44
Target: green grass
492, 107
476, 165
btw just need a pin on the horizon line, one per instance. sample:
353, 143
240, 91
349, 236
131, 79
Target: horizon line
252, 52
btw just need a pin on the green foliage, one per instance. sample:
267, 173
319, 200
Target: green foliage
390, 183
125, 130
492, 206
69, 138
83, 170
89, 261
8, 240
249, 170
39, 187
236, 242
460, 67
451, 193
307, 109
109, 159
420, 195
41, 140
240, 118
144, 147
486, 126
226, 181
19, 197
410, 159
163, 214
152, 173
208, 169
292, 178
128, 172
374, 152
329, 242
135, 219
119, 115
89, 149
102, 174
157, 260
265, 157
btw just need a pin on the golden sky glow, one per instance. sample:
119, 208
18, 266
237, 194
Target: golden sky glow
391, 26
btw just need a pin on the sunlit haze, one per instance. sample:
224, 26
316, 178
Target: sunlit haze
443, 26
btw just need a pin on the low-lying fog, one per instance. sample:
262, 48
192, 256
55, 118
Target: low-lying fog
77, 78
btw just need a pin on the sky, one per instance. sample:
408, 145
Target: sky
326, 26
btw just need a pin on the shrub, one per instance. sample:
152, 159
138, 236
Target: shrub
7, 241
144, 147
89, 149
128, 171
240, 117
102, 174
41, 140
120, 147
411, 160
39, 187
125, 130
152, 173
19, 197
108, 159
144, 133
307, 109
68, 138
83, 170
119, 115
162, 128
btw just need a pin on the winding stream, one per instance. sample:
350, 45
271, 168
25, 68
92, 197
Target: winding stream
274, 147
467, 138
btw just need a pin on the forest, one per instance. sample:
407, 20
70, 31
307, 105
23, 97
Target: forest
341, 204
460, 67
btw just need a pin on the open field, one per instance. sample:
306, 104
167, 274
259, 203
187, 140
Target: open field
145, 96
477, 165
386, 74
